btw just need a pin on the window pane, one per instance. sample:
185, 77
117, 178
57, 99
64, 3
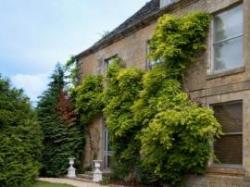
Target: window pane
166, 2
228, 148
228, 24
228, 54
230, 116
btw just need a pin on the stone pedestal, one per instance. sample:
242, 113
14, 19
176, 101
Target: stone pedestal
71, 169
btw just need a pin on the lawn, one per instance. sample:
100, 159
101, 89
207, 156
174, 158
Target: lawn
46, 184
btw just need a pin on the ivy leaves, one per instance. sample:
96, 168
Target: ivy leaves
89, 98
157, 132
177, 134
177, 40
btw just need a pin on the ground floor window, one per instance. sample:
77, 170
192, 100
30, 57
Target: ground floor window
228, 148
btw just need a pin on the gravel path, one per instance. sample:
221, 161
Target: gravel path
70, 182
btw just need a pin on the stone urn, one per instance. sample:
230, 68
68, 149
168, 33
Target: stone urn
71, 169
97, 174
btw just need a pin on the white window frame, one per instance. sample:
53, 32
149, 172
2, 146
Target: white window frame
212, 44
164, 3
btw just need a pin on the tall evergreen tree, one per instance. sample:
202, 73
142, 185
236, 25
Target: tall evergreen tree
20, 138
62, 135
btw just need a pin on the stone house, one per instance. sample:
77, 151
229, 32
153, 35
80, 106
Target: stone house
220, 79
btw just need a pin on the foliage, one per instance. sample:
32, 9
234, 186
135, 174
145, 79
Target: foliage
62, 134
65, 109
177, 136
20, 138
177, 41
89, 98
157, 132
177, 133
71, 70
123, 86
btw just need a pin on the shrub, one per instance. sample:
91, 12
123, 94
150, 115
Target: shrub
20, 138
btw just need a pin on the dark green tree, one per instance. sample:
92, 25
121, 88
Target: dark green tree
20, 138
62, 134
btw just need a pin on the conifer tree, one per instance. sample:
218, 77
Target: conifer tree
20, 138
62, 135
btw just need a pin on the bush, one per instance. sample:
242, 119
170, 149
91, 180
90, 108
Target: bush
20, 138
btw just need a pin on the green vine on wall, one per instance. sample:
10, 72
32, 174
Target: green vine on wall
89, 98
177, 134
122, 89
157, 132
178, 41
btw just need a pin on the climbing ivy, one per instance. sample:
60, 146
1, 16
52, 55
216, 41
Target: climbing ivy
89, 98
177, 41
177, 134
157, 132
123, 86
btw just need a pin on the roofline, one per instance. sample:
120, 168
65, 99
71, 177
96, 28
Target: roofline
131, 29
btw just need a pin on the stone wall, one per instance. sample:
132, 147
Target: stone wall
93, 148
202, 86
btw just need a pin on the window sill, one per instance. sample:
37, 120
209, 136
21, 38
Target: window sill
226, 169
225, 73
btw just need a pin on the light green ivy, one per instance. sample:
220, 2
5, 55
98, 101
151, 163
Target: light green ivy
157, 132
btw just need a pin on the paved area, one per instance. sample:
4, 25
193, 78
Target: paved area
70, 182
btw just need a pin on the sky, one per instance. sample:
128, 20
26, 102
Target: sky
37, 34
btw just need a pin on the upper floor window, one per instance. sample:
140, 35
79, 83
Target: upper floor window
109, 61
228, 40
150, 63
164, 3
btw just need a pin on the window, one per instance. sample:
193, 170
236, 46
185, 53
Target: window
164, 3
150, 63
228, 148
109, 61
228, 40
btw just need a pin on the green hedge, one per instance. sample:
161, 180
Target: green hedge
20, 138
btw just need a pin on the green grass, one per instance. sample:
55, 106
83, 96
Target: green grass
46, 184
